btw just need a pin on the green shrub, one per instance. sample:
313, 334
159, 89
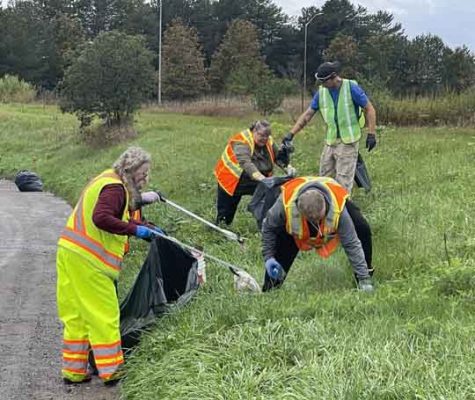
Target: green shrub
448, 109
268, 96
15, 90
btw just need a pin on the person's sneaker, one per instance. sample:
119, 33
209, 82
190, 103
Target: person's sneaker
70, 382
112, 382
365, 285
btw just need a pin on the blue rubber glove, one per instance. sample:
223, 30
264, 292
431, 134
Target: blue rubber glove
143, 232
274, 269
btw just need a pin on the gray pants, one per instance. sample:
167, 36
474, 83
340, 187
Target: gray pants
338, 161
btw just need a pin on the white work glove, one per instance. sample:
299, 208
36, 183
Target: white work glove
291, 171
150, 197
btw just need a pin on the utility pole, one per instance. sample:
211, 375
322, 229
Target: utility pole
160, 54
304, 90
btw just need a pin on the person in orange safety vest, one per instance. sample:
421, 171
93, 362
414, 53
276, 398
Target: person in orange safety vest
89, 259
248, 159
315, 213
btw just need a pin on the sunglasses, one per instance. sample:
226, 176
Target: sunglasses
323, 79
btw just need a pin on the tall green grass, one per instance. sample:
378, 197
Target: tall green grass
316, 338
449, 109
15, 90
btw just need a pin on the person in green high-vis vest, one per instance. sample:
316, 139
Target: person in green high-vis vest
340, 102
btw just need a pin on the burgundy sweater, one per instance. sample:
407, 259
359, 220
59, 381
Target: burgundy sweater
109, 210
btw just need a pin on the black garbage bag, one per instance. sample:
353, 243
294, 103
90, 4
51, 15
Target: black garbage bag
264, 198
362, 179
168, 279
28, 181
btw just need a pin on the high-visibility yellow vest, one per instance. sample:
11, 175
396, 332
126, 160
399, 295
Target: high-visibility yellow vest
227, 170
326, 241
347, 120
105, 250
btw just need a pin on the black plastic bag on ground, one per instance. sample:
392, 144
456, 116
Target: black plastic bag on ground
264, 198
362, 178
168, 279
28, 181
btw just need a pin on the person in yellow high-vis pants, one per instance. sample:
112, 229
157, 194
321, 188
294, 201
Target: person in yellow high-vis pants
89, 258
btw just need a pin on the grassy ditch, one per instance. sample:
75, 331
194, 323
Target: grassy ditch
317, 338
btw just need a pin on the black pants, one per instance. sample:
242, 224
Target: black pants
287, 250
227, 205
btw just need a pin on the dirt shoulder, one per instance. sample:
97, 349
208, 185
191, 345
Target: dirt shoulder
30, 332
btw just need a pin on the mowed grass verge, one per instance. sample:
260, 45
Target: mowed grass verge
317, 338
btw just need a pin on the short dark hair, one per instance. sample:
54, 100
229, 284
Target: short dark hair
261, 125
311, 204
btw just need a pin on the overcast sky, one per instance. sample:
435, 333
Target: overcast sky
451, 20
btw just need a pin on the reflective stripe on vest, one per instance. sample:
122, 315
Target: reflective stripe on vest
347, 118
81, 234
326, 241
227, 169
92, 247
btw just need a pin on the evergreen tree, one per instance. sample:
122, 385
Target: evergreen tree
344, 49
458, 69
183, 63
237, 65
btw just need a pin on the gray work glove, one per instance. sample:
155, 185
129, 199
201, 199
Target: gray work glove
291, 171
150, 197
269, 182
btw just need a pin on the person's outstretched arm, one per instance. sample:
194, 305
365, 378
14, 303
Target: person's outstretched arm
302, 121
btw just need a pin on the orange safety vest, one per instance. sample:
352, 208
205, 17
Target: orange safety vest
227, 170
105, 250
326, 241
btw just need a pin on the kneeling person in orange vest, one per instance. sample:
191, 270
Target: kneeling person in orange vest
89, 260
248, 158
315, 213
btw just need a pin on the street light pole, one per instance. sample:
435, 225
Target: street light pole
160, 56
305, 59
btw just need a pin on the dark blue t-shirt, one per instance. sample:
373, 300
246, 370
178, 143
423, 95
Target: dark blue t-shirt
358, 95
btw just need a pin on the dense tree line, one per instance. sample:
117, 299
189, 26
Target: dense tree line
228, 45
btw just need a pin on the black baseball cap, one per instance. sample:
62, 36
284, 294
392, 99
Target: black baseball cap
327, 70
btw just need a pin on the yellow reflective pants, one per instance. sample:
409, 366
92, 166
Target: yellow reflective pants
89, 310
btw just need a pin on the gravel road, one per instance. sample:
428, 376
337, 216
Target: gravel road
30, 332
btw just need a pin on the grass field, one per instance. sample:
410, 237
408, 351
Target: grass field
316, 338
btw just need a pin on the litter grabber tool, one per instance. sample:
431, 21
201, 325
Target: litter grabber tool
242, 279
228, 234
